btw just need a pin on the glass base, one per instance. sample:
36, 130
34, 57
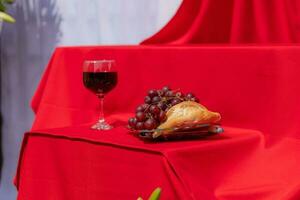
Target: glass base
101, 125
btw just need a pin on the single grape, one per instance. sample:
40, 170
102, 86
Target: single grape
150, 124
152, 93
179, 94
165, 89
140, 109
188, 96
169, 94
147, 99
132, 122
139, 126
162, 116
155, 99
140, 116
154, 109
175, 101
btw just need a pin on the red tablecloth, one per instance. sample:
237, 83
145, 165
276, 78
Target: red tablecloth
252, 87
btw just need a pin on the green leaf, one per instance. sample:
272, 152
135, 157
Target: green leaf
6, 17
9, 1
2, 7
155, 194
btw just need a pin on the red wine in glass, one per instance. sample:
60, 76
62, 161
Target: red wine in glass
100, 82
100, 77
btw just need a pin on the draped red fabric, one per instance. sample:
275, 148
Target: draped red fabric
256, 90
232, 21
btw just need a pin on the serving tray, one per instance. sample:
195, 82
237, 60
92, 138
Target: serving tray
194, 132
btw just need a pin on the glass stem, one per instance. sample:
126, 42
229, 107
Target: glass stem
101, 117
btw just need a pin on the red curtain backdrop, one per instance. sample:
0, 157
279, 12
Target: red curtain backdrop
232, 21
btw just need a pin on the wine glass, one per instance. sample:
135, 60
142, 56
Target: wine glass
100, 77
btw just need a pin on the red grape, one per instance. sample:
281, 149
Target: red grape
154, 109
147, 99
139, 126
179, 94
132, 122
150, 124
162, 116
155, 99
175, 101
165, 89
189, 96
152, 93
140, 116
169, 93
139, 109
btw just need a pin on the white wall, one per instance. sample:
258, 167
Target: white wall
41, 26
113, 21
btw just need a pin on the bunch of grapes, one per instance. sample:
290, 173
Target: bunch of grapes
153, 111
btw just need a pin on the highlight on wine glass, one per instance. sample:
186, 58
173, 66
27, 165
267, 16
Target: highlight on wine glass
100, 77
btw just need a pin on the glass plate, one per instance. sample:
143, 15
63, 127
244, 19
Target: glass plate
188, 132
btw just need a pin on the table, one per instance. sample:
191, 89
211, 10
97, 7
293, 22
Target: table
253, 87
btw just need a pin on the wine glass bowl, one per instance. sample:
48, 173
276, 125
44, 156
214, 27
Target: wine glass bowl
100, 77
